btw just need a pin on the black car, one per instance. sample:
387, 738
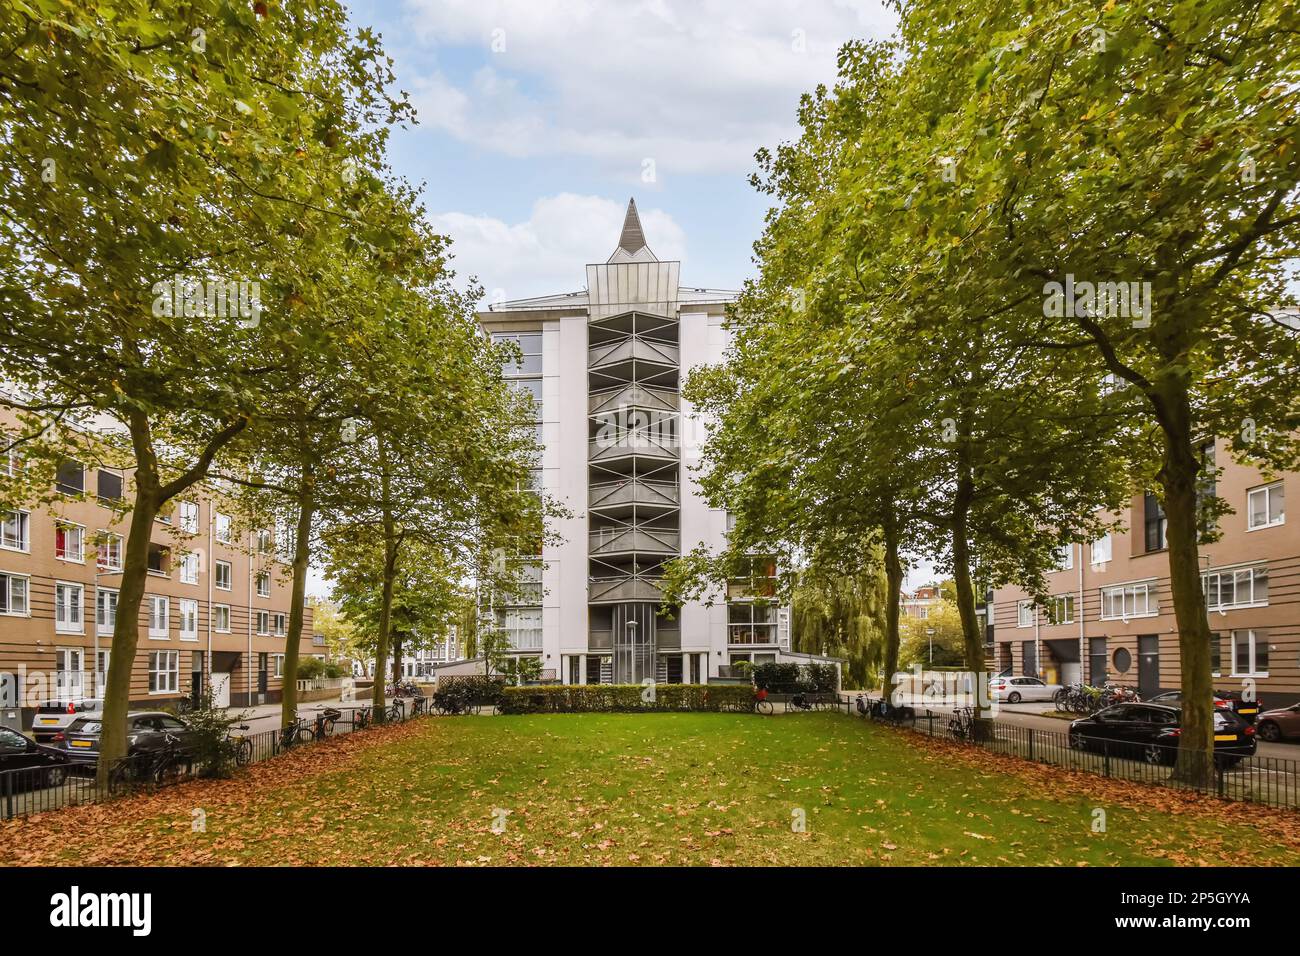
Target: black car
147, 732
36, 765
1149, 732
1223, 700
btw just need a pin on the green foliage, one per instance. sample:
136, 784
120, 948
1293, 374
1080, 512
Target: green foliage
587, 698
946, 642
461, 690
843, 615
209, 726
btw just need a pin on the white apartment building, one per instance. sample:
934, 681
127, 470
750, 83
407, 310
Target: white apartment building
605, 367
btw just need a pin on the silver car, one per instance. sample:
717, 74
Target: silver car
54, 717
1015, 689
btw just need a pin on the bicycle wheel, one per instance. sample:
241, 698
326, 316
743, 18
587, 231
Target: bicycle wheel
168, 770
243, 753
765, 707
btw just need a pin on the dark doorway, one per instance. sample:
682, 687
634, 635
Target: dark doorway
1148, 665
1029, 657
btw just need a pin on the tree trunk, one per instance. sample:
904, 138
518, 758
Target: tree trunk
972, 638
1178, 477
894, 579
301, 555
126, 630
390, 572
397, 657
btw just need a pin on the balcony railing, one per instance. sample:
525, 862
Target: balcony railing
610, 590
633, 349
633, 396
634, 491
635, 443
629, 540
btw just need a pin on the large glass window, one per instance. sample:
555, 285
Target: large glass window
105, 610
530, 344
158, 614
1249, 654
69, 542
13, 593
164, 672
1239, 587
751, 622
1155, 522
1129, 600
13, 530
1266, 506
67, 608
523, 626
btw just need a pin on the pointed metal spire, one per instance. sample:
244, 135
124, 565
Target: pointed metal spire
631, 241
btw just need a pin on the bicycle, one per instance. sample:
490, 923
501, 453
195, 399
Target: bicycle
762, 705
961, 726
296, 733
243, 745
419, 706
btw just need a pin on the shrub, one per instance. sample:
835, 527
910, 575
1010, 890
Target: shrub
790, 678
591, 698
309, 668
214, 751
469, 689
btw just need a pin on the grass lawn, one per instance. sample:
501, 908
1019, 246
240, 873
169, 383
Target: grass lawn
655, 789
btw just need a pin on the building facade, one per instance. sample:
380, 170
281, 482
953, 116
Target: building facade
1112, 614
605, 367
216, 606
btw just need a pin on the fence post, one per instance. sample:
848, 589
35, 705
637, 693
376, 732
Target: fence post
6, 785
1105, 764
1031, 743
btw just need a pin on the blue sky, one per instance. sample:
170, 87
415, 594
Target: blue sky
539, 118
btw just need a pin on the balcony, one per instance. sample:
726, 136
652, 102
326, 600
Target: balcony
634, 396
666, 639
633, 349
634, 540
635, 445
615, 496
622, 588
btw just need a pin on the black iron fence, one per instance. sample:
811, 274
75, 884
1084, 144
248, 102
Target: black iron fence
1233, 774
40, 789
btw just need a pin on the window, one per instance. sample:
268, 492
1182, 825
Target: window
1154, 517
263, 622
1102, 549
108, 486
189, 517
67, 608
1216, 662
221, 618
1265, 506
101, 672
279, 625
164, 672
530, 344
70, 478
265, 541
190, 568
105, 610
158, 624
1206, 489
523, 626
11, 462
189, 622
13, 593
221, 575
1249, 654
1025, 614
70, 542
1063, 609
67, 674
264, 584
13, 530
159, 559
109, 552
223, 527
1065, 557
1097, 661
1129, 600
279, 665
751, 622
1239, 587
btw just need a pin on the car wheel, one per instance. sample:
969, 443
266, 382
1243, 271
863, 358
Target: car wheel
55, 776
1155, 755
1270, 731
1013, 697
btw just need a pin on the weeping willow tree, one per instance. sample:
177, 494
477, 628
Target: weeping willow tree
843, 615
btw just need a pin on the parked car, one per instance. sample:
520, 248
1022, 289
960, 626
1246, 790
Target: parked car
1223, 700
1015, 689
55, 716
147, 731
44, 766
1280, 723
1149, 732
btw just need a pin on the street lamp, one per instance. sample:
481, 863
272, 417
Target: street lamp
929, 634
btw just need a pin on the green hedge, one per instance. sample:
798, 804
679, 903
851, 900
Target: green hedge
588, 698
796, 678
468, 689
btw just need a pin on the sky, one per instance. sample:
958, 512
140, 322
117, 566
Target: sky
538, 119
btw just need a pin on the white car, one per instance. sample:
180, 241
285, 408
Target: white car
1015, 689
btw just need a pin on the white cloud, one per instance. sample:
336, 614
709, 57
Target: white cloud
546, 252
696, 86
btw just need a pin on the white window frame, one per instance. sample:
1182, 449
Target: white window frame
1024, 614
1063, 600
217, 615
263, 582
157, 633
69, 673
1129, 590
190, 568
264, 623
278, 667
216, 575
63, 622
1253, 638
1267, 491
24, 528
188, 512
188, 612
222, 525
109, 544
74, 532
1065, 557
1109, 542
279, 624
164, 679
1242, 574
104, 627
9, 578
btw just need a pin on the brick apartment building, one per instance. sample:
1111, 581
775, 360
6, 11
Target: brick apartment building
216, 603
1113, 612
